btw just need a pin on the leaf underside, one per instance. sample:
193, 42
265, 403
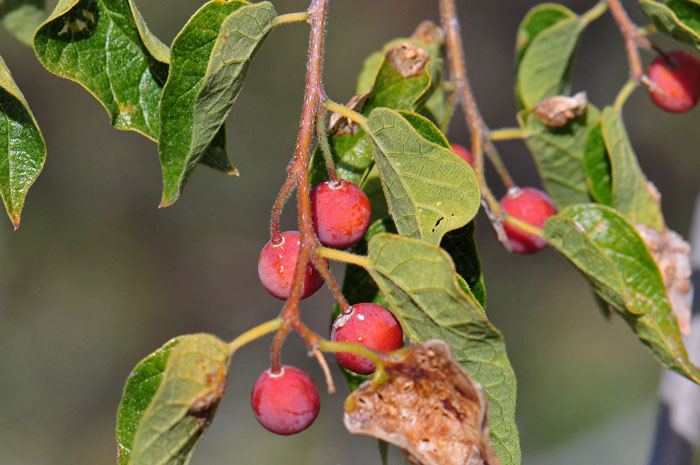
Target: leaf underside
675, 18
22, 17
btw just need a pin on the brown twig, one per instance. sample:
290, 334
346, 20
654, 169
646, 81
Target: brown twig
477, 126
633, 39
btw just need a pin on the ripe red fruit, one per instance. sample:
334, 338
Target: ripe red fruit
286, 402
371, 325
276, 267
532, 206
678, 77
465, 154
341, 213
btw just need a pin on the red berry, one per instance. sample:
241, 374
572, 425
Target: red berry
371, 325
678, 78
276, 267
286, 402
532, 206
341, 213
465, 154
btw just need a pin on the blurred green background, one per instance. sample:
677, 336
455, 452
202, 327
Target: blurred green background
97, 277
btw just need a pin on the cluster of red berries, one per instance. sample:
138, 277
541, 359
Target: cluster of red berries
287, 402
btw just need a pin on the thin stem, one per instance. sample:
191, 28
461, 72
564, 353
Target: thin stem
326, 371
291, 18
285, 192
348, 113
277, 344
624, 94
253, 334
380, 374
322, 137
507, 134
346, 257
323, 269
475, 122
633, 40
594, 13
527, 227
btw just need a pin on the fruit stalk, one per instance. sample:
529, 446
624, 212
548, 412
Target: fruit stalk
633, 39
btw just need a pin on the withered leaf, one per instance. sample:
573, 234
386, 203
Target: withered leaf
429, 406
407, 59
557, 111
428, 32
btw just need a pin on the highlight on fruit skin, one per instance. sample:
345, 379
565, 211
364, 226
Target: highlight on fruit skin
341, 213
286, 402
369, 324
276, 267
676, 76
531, 206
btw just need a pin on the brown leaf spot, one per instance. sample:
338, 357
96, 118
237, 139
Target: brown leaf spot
557, 111
204, 407
430, 407
408, 59
428, 32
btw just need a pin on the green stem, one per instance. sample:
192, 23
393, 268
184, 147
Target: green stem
345, 257
253, 334
594, 13
507, 134
624, 94
348, 113
380, 374
302, 16
527, 227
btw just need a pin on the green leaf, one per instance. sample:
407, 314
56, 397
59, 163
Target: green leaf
461, 245
678, 19
609, 252
105, 46
22, 147
180, 408
630, 194
559, 153
141, 386
597, 167
547, 59
423, 290
352, 149
210, 58
538, 19
429, 189
22, 17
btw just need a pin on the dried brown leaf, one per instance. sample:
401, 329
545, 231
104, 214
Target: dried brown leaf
408, 59
557, 111
672, 255
429, 406
428, 32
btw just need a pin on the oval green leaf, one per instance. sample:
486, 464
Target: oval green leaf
170, 399
538, 19
22, 147
559, 153
210, 58
22, 17
424, 291
609, 252
630, 194
678, 19
429, 189
597, 167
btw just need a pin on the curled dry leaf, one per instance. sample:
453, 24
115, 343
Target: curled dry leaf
557, 111
672, 255
429, 406
408, 59
428, 32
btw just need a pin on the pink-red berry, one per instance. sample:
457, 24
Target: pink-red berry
341, 213
371, 325
464, 154
677, 77
276, 267
531, 206
286, 402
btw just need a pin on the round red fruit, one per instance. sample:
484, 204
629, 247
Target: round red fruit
341, 213
371, 325
286, 402
677, 77
531, 206
464, 154
276, 267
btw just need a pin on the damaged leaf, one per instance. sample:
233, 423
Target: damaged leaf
447, 409
557, 111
